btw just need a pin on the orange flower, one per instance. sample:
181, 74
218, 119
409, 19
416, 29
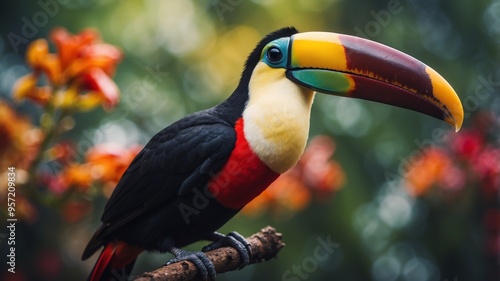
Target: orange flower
39, 58
69, 46
426, 171
108, 163
19, 141
26, 87
285, 195
104, 164
100, 56
82, 63
315, 173
77, 176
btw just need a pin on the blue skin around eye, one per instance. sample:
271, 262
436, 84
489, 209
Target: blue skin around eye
283, 45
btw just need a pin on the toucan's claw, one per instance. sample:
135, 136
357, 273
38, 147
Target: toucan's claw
199, 259
232, 239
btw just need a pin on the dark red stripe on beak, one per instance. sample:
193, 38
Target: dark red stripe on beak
374, 90
386, 64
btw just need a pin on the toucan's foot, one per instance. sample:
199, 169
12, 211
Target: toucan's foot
232, 239
199, 259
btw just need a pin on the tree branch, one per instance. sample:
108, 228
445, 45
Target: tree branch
264, 245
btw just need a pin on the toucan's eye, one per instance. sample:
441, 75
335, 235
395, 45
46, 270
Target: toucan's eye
274, 54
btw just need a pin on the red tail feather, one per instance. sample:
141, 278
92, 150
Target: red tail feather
116, 260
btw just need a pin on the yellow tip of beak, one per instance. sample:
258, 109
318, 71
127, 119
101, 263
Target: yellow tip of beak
447, 98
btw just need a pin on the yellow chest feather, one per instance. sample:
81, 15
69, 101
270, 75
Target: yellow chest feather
277, 118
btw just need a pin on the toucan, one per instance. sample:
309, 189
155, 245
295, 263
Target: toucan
197, 173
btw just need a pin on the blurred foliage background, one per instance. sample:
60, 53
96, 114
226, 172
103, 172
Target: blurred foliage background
418, 202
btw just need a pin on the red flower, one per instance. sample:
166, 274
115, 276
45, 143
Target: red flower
487, 168
452, 178
471, 158
468, 144
321, 174
97, 81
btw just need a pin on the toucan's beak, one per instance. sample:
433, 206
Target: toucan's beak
349, 66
